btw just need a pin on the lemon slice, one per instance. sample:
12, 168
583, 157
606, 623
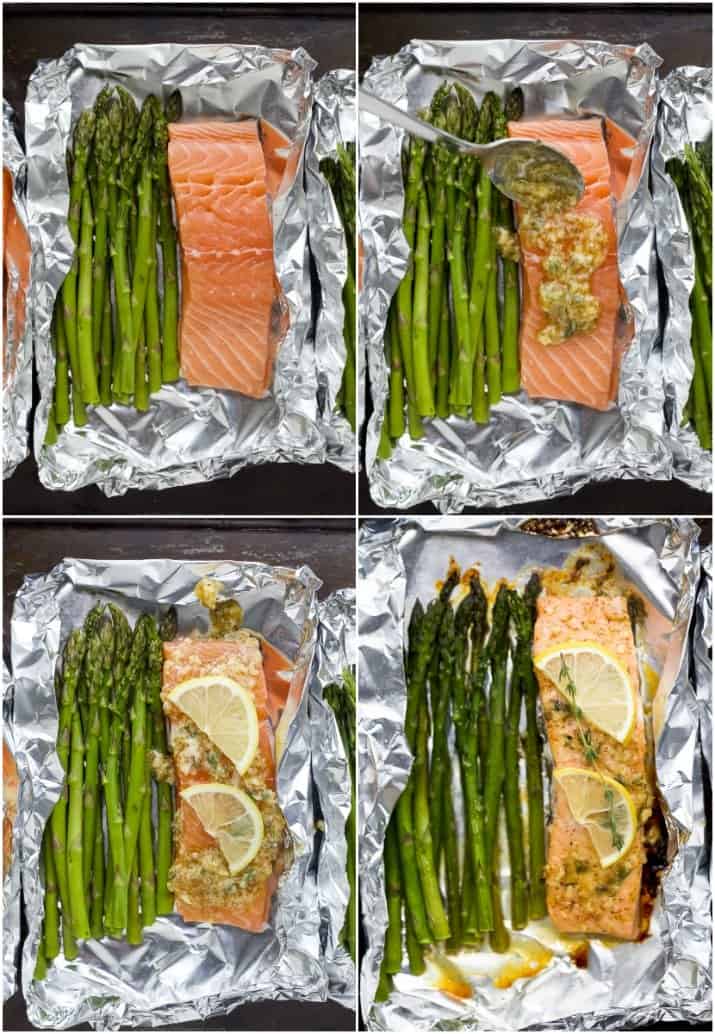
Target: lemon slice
229, 815
225, 712
604, 807
602, 686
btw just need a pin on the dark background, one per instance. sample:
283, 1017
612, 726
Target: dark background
327, 547
680, 33
327, 32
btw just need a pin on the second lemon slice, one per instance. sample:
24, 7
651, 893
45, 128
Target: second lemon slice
229, 815
224, 710
604, 807
595, 681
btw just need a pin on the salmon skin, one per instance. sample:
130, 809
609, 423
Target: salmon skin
581, 895
200, 880
230, 310
10, 793
584, 368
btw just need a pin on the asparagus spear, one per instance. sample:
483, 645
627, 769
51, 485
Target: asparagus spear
167, 239
146, 845
96, 911
75, 882
62, 388
512, 800
443, 359
135, 920
72, 663
451, 864
439, 770
50, 922
434, 907
97, 645
105, 349
82, 141
422, 365
103, 154
415, 161
415, 955
397, 399
392, 954
483, 261
165, 806
437, 259
460, 394
534, 783
341, 699
136, 782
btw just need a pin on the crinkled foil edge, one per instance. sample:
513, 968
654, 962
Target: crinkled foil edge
333, 123
17, 387
487, 471
384, 762
11, 885
684, 89
105, 455
336, 650
298, 972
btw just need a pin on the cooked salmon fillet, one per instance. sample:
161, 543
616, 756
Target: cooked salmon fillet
229, 287
582, 896
204, 890
579, 369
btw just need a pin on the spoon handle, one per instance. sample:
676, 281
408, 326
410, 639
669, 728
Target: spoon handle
415, 126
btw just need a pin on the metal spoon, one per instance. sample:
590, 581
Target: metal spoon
514, 165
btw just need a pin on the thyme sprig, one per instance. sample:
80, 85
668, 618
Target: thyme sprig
590, 750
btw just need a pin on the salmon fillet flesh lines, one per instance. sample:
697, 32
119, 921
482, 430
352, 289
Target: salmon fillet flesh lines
218, 175
582, 896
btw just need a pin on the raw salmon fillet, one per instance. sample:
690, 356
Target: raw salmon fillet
240, 659
10, 793
229, 287
581, 368
16, 272
582, 896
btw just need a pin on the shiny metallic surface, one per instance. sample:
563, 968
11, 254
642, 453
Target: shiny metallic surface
336, 650
531, 449
666, 977
182, 971
333, 123
11, 879
189, 434
685, 115
17, 351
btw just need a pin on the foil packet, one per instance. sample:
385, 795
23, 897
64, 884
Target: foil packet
11, 880
333, 123
189, 434
181, 972
667, 977
17, 337
685, 116
703, 656
531, 448
336, 650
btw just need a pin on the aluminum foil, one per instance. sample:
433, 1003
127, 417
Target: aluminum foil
334, 122
667, 977
11, 879
336, 650
702, 656
17, 351
685, 115
189, 434
183, 971
531, 449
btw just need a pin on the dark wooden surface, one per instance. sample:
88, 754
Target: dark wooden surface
680, 33
327, 547
327, 32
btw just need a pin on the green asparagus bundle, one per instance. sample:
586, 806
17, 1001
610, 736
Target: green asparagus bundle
451, 346
692, 175
342, 699
113, 340
93, 888
443, 889
341, 177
